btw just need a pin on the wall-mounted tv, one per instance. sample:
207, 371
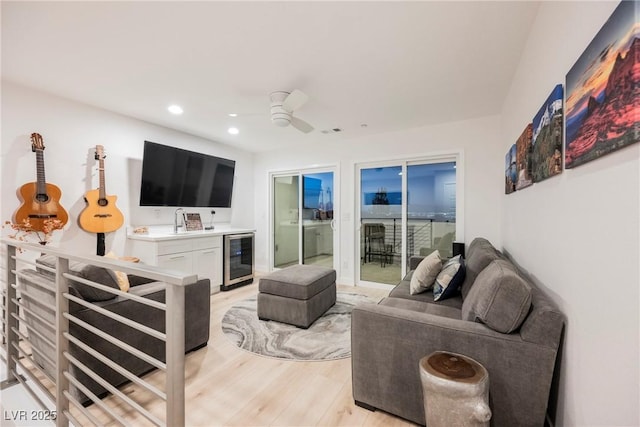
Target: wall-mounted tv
175, 177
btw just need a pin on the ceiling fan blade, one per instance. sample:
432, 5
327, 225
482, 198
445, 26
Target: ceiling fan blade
301, 125
295, 100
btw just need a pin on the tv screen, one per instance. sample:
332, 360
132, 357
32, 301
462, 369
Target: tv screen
175, 177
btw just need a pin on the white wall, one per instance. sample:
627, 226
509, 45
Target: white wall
577, 233
483, 177
70, 132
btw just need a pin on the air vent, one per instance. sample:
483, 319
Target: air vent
334, 130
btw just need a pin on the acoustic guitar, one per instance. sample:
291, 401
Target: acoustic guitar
40, 200
101, 214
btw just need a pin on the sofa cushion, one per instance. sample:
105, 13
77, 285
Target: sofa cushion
300, 282
435, 309
481, 253
402, 291
499, 298
425, 274
448, 282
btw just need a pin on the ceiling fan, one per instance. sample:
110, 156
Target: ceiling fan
283, 104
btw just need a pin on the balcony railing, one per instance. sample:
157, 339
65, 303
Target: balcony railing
423, 235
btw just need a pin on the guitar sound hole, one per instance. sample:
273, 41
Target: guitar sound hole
42, 198
103, 202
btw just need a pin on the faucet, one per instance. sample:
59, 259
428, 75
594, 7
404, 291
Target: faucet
175, 219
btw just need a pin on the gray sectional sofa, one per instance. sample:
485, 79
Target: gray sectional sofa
500, 318
196, 321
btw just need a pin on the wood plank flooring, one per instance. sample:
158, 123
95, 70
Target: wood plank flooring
232, 387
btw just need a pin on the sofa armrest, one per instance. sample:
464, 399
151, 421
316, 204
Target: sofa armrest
388, 343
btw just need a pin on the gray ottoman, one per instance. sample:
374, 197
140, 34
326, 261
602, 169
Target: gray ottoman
297, 295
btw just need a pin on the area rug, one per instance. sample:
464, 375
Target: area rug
328, 338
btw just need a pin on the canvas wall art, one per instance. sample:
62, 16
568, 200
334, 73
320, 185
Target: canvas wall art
546, 140
603, 90
510, 173
523, 158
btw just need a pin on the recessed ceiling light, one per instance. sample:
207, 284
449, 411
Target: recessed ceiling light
233, 131
175, 109
233, 114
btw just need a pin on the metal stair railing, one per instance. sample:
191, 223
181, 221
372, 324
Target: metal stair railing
25, 358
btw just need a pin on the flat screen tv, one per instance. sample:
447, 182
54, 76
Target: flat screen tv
175, 177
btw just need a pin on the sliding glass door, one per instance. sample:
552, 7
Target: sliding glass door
303, 218
431, 208
286, 230
317, 219
381, 199
406, 209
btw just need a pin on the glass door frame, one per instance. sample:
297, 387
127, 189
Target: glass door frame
456, 156
300, 172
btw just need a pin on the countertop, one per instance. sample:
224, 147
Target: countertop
158, 233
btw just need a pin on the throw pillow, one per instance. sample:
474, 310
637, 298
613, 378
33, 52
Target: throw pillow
89, 272
478, 257
425, 274
99, 275
499, 298
121, 278
450, 278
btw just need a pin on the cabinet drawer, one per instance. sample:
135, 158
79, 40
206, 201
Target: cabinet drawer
207, 243
182, 262
170, 247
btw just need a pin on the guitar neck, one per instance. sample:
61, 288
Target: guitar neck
41, 184
102, 191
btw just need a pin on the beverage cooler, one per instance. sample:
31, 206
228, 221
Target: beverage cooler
239, 262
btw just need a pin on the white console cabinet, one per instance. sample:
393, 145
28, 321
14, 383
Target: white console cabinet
201, 255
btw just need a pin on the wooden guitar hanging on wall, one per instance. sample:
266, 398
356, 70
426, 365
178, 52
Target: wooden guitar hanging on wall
40, 200
101, 215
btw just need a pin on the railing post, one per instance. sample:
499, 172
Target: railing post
62, 344
10, 323
175, 324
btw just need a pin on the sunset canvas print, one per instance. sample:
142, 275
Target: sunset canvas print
546, 151
603, 90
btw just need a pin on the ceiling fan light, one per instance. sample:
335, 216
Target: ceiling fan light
281, 121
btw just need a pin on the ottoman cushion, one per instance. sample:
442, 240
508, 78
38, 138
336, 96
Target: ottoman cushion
298, 281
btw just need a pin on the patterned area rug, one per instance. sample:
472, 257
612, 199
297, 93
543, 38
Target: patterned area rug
328, 338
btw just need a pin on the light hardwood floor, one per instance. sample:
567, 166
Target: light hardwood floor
232, 387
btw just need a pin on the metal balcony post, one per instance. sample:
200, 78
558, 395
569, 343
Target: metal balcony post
175, 344
10, 322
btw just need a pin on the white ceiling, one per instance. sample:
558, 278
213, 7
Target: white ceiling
390, 65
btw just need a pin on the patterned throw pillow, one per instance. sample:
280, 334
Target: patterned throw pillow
425, 274
450, 278
121, 278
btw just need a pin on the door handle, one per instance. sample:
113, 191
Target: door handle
333, 224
